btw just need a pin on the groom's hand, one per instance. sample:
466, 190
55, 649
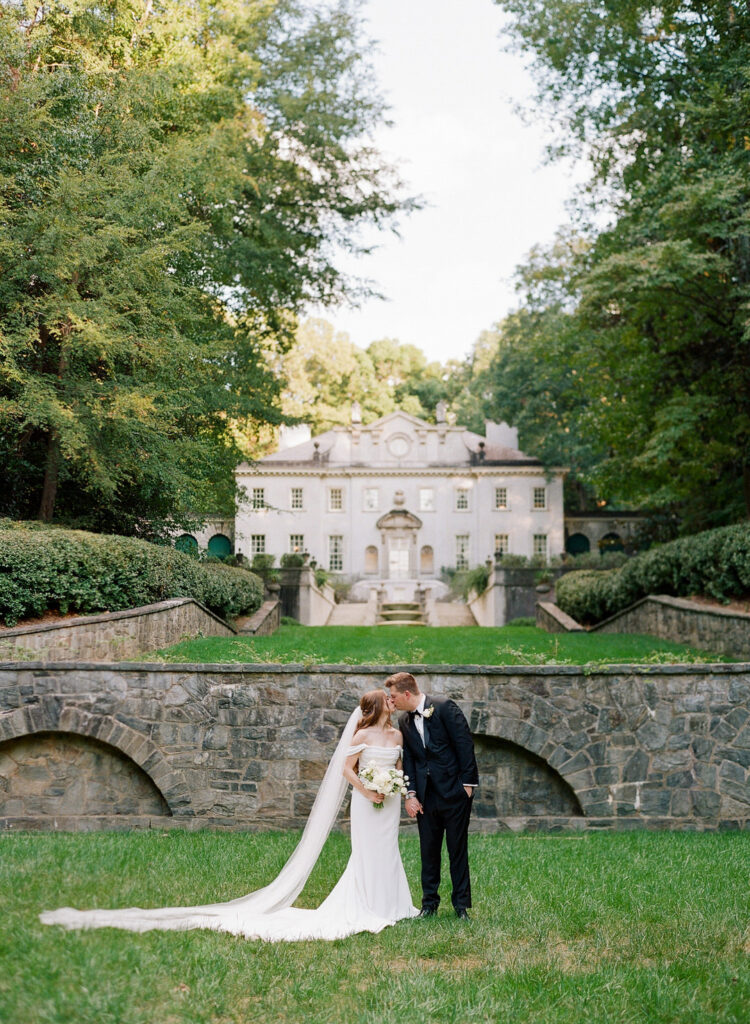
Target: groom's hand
413, 806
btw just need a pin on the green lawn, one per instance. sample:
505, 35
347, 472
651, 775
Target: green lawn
358, 645
632, 927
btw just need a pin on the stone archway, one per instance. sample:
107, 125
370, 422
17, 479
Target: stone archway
561, 755
515, 783
62, 775
48, 717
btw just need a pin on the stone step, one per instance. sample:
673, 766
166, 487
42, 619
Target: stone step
354, 614
453, 613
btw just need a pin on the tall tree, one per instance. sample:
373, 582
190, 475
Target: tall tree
659, 97
174, 181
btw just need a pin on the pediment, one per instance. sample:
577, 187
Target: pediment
399, 519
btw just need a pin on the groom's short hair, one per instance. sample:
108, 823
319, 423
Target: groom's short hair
401, 682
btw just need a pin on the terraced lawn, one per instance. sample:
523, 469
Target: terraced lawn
459, 645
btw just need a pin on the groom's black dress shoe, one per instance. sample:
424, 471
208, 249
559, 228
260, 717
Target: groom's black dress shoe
463, 914
427, 912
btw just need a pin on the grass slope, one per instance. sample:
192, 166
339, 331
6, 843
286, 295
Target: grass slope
628, 927
460, 645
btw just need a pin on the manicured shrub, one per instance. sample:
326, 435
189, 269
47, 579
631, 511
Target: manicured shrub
292, 560
714, 564
588, 596
49, 568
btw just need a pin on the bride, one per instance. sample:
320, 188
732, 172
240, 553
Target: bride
371, 894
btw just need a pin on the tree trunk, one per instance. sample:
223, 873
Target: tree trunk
51, 473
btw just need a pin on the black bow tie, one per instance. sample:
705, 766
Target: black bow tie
415, 713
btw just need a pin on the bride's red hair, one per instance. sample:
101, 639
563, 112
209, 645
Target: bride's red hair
372, 704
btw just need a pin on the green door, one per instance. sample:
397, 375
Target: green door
220, 546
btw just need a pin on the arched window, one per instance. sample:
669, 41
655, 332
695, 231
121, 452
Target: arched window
187, 543
577, 544
426, 561
371, 560
220, 546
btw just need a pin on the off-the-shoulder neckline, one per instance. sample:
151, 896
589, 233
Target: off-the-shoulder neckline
378, 746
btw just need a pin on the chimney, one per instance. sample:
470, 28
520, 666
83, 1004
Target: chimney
289, 437
501, 435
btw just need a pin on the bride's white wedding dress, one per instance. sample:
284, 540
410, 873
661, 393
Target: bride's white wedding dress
371, 894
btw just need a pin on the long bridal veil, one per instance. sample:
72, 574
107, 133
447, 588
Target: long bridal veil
279, 894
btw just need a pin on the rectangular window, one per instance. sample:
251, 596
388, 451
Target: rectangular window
259, 497
336, 553
540, 497
258, 544
462, 551
462, 499
426, 499
501, 497
371, 497
335, 499
540, 544
501, 544
297, 498
296, 542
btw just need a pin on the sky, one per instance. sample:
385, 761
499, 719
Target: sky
457, 142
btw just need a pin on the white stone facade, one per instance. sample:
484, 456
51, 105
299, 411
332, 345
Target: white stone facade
396, 500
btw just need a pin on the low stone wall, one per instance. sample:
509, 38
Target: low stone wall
718, 630
245, 746
510, 594
264, 622
302, 599
113, 635
554, 620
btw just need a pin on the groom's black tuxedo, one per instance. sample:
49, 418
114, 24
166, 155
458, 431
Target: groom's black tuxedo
438, 770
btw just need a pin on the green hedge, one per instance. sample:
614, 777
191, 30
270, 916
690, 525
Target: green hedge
43, 568
714, 564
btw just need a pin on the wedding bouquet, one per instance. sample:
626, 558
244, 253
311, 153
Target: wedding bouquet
386, 781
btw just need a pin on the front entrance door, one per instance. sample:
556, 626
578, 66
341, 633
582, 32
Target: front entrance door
398, 558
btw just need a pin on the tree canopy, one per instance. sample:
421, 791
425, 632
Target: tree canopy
654, 337
175, 179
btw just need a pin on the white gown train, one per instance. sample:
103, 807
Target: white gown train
372, 893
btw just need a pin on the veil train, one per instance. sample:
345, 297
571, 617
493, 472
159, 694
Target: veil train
237, 915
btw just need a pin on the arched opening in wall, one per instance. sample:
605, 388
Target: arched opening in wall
577, 544
371, 560
426, 561
220, 546
611, 542
187, 544
61, 774
515, 783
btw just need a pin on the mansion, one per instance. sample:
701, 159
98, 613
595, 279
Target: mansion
394, 501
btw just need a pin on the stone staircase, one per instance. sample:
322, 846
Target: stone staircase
350, 614
452, 613
401, 613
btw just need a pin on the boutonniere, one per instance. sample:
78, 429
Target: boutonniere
428, 712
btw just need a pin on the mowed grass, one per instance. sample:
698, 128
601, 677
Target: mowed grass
404, 645
630, 927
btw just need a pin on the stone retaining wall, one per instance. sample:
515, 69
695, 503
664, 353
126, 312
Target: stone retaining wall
244, 746
113, 635
687, 622
554, 620
264, 622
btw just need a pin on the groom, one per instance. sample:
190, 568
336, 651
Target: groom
439, 760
